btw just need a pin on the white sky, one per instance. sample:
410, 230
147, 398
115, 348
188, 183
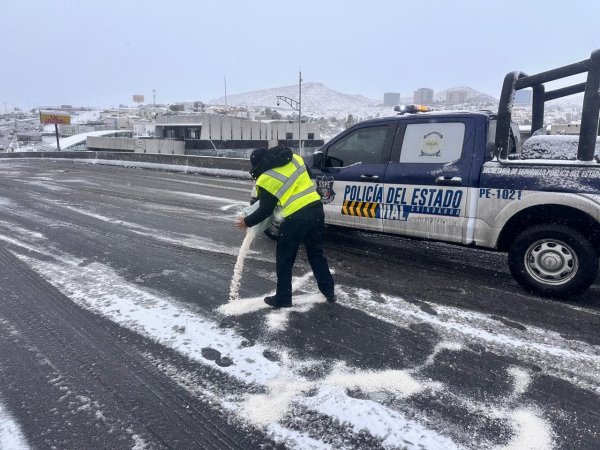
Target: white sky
100, 53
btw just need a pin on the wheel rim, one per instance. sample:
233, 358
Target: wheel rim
551, 262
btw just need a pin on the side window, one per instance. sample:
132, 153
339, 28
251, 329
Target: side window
365, 145
433, 143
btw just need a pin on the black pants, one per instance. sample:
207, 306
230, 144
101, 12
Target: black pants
305, 225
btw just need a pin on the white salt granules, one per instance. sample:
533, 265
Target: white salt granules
234, 288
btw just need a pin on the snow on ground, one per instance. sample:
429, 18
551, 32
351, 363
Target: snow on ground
98, 288
283, 389
11, 436
531, 431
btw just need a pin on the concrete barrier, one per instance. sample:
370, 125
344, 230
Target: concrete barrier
111, 144
234, 167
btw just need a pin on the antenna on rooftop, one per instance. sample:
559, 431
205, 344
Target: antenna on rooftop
154, 97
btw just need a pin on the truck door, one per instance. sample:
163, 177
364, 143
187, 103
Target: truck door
428, 178
350, 177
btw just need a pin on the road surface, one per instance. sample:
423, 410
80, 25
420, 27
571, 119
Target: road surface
116, 330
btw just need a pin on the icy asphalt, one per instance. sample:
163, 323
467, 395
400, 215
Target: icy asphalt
116, 330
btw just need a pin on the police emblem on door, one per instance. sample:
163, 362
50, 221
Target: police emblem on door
432, 144
325, 188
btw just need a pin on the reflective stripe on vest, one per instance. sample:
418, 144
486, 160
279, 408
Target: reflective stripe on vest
300, 169
291, 185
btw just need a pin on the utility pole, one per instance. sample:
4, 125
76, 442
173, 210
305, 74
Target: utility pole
57, 141
299, 112
296, 106
153, 97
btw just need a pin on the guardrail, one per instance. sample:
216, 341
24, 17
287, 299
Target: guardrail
236, 167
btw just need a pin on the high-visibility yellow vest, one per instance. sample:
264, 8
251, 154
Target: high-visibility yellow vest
291, 185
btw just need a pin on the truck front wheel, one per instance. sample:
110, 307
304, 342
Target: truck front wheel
553, 261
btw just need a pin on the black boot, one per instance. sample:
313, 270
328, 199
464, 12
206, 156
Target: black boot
277, 303
331, 298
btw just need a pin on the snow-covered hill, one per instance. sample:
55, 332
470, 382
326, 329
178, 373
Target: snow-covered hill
320, 101
317, 101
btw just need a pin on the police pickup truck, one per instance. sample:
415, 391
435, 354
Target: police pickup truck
459, 177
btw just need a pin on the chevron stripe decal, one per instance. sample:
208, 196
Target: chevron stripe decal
361, 209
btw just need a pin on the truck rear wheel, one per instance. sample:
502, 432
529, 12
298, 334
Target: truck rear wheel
553, 261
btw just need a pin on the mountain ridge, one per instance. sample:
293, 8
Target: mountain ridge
319, 100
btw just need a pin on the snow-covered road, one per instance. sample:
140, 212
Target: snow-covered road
117, 331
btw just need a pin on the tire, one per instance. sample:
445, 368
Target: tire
553, 261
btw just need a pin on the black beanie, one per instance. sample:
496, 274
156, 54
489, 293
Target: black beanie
257, 156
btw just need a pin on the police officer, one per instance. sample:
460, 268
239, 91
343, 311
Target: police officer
282, 182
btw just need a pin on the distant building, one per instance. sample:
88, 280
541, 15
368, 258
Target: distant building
423, 96
456, 97
216, 131
391, 98
523, 97
117, 120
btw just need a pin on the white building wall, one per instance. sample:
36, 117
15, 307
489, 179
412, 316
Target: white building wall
226, 128
236, 129
206, 126
215, 128
219, 127
280, 129
291, 128
255, 129
246, 130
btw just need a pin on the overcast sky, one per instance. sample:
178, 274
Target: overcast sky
99, 53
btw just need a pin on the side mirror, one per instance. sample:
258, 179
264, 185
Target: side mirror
317, 160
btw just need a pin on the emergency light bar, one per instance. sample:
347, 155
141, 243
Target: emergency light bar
411, 109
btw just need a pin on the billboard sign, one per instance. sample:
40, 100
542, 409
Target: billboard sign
57, 118
138, 98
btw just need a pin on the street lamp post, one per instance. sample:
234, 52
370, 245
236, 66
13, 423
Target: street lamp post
296, 106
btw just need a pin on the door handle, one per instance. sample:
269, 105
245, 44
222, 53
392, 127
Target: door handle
369, 178
449, 181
